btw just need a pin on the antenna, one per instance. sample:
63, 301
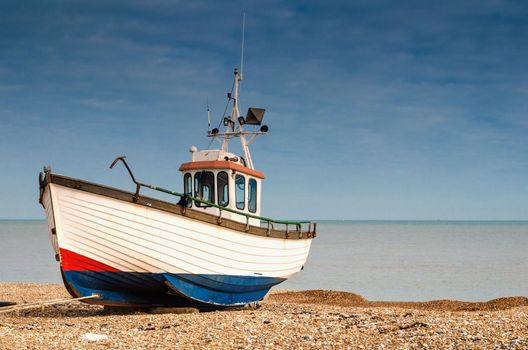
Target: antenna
208, 115
242, 49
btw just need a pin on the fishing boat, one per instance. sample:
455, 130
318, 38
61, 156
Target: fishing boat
209, 248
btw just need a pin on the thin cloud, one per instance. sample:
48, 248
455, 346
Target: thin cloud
401, 101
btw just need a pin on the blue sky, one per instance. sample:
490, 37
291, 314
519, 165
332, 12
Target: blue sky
377, 109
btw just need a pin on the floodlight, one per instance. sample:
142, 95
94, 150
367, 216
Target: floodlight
254, 116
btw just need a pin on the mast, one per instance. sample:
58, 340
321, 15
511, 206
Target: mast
234, 127
234, 123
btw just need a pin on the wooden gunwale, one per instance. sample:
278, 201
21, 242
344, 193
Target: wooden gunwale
176, 209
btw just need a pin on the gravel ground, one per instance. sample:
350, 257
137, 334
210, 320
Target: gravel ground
286, 320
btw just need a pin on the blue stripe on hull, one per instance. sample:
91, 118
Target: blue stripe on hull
118, 281
151, 289
206, 289
227, 283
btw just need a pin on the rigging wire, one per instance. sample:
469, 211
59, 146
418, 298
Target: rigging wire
223, 116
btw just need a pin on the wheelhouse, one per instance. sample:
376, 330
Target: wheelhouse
222, 178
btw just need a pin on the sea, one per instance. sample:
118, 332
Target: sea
380, 260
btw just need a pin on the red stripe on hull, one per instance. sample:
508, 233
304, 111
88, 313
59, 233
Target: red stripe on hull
72, 261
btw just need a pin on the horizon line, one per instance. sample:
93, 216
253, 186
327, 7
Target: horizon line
357, 220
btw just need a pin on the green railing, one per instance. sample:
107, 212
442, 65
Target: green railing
297, 224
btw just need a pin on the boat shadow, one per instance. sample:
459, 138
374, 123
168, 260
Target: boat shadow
78, 310
60, 311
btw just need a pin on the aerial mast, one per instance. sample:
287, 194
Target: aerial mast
234, 123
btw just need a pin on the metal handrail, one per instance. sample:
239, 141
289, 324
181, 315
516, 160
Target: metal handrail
211, 204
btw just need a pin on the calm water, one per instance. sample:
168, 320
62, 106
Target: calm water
379, 260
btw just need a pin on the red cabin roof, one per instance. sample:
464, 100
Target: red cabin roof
221, 164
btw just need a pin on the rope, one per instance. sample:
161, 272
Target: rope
44, 303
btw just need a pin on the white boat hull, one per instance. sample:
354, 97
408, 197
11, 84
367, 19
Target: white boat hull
131, 253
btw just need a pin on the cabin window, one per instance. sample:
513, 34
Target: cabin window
204, 187
240, 191
223, 188
187, 184
252, 192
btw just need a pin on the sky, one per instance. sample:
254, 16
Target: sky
376, 109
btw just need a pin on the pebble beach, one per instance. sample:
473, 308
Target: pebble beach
284, 320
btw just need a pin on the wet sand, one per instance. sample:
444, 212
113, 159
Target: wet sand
301, 319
